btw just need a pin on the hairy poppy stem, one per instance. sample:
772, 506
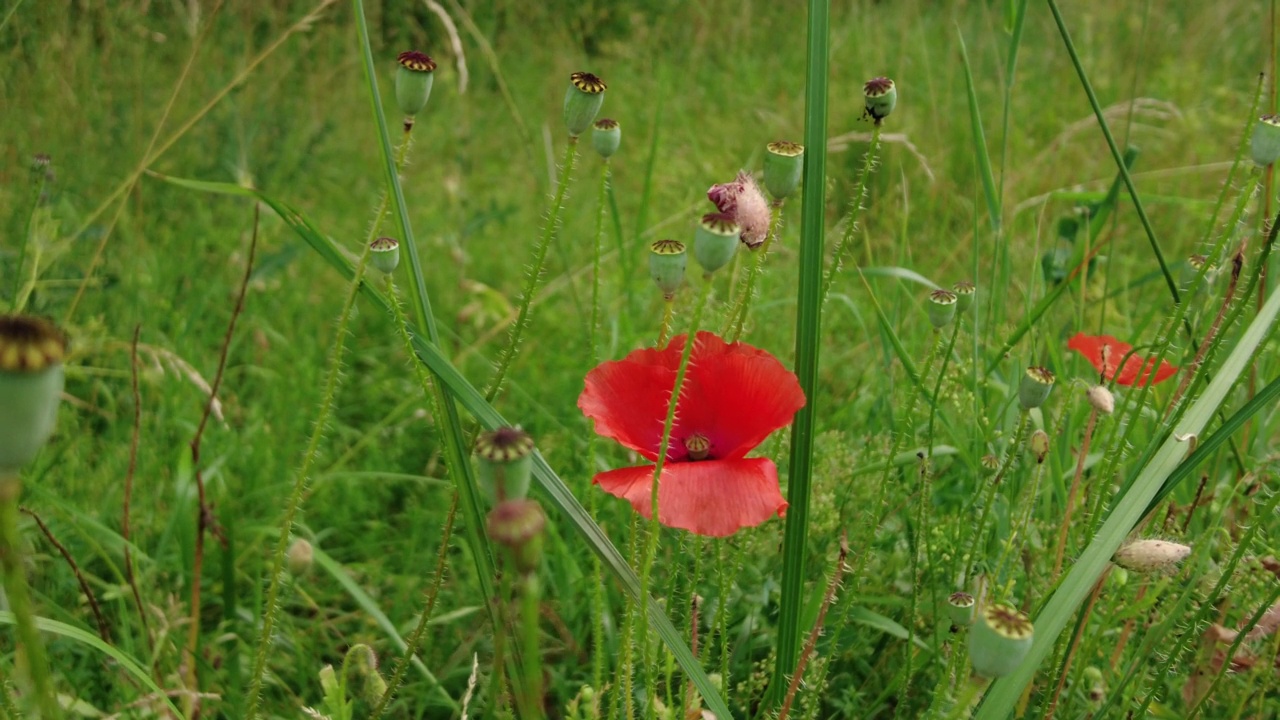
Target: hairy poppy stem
1071, 495
988, 498
15, 586
855, 209
738, 314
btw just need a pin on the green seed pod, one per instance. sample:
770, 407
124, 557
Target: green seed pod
942, 308
582, 102
783, 168
413, 83
606, 134
1034, 388
715, 240
31, 381
300, 557
965, 293
960, 608
384, 253
667, 260
990, 462
517, 525
504, 461
1039, 445
1264, 146
999, 640
881, 96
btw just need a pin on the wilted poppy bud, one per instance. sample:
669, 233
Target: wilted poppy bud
667, 260
999, 641
606, 135
942, 308
783, 168
881, 96
517, 525
965, 293
1101, 399
1150, 555
413, 83
384, 253
1039, 444
960, 608
715, 240
1264, 146
505, 460
300, 557
1034, 388
582, 102
31, 380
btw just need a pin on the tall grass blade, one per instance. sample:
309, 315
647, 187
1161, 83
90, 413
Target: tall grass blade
980, 142
808, 337
1004, 693
473, 402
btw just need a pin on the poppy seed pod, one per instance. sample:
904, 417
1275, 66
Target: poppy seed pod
1034, 388
965, 293
999, 640
960, 608
881, 97
517, 525
413, 82
714, 241
783, 168
504, 460
667, 261
942, 308
606, 135
384, 253
1039, 444
1264, 146
582, 102
31, 381
1151, 555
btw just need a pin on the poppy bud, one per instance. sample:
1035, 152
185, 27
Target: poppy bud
504, 459
384, 253
881, 96
365, 664
1264, 146
965, 293
31, 380
413, 83
999, 640
582, 102
942, 308
715, 240
517, 525
783, 168
300, 557
606, 135
1150, 555
1101, 399
1034, 388
960, 608
667, 260
1039, 444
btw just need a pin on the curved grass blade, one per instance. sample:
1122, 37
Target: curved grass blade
1004, 693
131, 666
473, 402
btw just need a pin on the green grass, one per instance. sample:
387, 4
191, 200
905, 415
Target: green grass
699, 88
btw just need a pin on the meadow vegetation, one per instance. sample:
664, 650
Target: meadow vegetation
929, 474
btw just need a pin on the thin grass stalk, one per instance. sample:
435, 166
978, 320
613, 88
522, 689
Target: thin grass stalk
534, 279
94, 608
808, 337
130, 571
429, 604
855, 209
456, 450
19, 595
651, 544
19, 293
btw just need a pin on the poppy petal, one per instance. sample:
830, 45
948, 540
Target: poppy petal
628, 398
1106, 353
735, 395
714, 497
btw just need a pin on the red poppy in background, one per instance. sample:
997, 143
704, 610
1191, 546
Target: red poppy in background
1106, 353
733, 397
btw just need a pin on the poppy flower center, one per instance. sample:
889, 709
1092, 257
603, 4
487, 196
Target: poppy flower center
698, 446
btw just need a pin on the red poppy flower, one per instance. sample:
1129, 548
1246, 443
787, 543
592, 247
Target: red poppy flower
733, 397
1106, 352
